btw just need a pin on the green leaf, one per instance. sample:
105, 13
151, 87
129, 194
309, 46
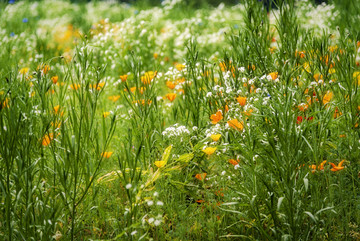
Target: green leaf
186, 157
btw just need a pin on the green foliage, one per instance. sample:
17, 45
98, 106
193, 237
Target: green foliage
179, 120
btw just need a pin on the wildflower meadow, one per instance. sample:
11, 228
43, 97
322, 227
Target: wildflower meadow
180, 120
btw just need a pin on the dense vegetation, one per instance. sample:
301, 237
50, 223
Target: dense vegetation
123, 121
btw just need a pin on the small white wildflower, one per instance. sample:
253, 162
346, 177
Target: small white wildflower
223, 173
151, 220
236, 166
133, 233
128, 186
157, 222
156, 194
159, 203
150, 203
209, 94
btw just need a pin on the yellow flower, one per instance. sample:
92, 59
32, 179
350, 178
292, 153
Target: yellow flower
24, 71
327, 97
180, 67
209, 150
56, 109
318, 76
160, 164
106, 114
148, 77
356, 76
107, 154
215, 137
98, 86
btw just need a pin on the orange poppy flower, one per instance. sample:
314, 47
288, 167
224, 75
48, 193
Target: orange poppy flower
337, 167
114, 98
55, 79
235, 124
107, 154
233, 162
98, 86
327, 97
215, 118
201, 176
123, 77
241, 100
273, 75
170, 85
47, 139
148, 77
171, 96
75, 86
303, 107
337, 113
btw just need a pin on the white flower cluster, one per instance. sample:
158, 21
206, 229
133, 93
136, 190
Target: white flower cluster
175, 131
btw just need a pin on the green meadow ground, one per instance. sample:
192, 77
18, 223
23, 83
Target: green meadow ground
173, 122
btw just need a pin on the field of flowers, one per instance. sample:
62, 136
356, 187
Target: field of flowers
172, 122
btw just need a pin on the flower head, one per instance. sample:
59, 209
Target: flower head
241, 100
160, 164
106, 114
235, 124
54, 79
170, 96
215, 137
209, 150
107, 154
215, 118
123, 77
47, 139
338, 167
274, 75
201, 176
